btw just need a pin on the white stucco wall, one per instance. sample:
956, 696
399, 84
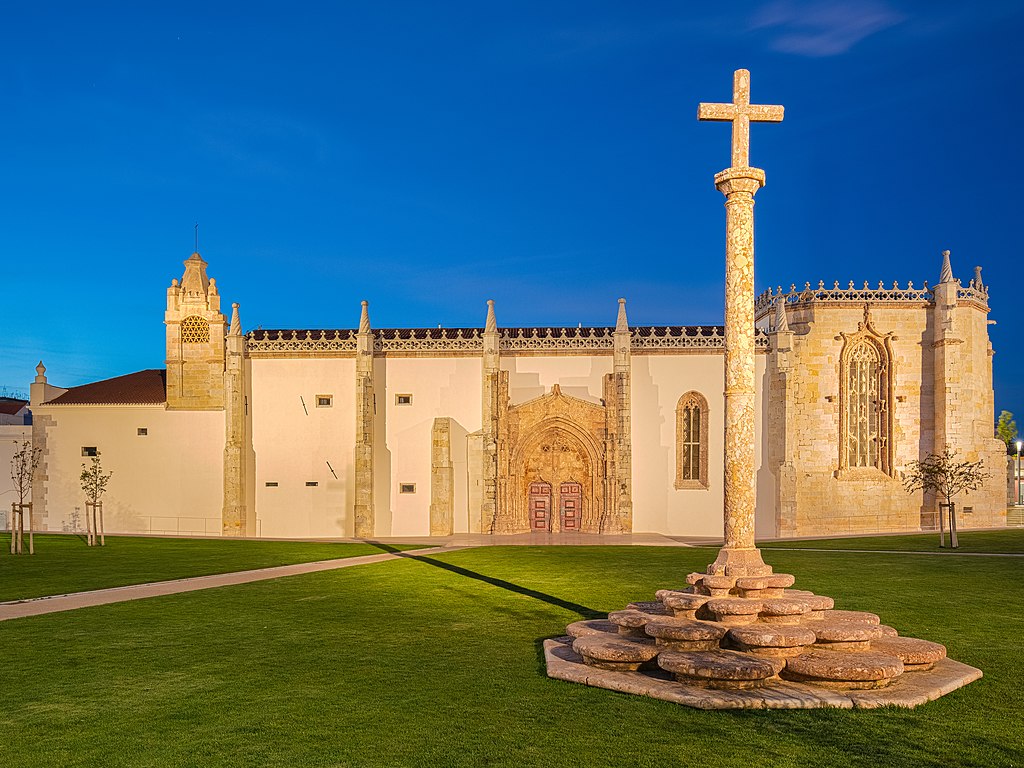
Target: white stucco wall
293, 445
168, 481
440, 387
581, 376
658, 382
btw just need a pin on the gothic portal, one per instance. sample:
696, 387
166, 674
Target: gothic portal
555, 464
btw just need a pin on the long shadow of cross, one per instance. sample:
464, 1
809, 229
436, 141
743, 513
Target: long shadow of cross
581, 610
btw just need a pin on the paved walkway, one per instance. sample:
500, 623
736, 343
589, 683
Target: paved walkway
37, 606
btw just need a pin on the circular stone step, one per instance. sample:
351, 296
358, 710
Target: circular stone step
591, 627
863, 616
784, 610
613, 652
771, 639
916, 655
733, 610
720, 669
655, 607
685, 634
631, 622
661, 594
845, 635
819, 604
684, 605
843, 670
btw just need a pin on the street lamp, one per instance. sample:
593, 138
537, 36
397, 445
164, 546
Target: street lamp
1020, 491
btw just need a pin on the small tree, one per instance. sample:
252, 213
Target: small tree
23, 467
947, 478
1006, 430
94, 485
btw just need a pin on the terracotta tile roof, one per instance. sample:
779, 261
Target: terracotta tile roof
10, 405
140, 388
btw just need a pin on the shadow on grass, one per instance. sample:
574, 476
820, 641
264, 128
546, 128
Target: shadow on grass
581, 610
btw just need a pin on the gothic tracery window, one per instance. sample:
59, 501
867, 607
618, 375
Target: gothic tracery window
863, 430
866, 382
692, 442
194, 330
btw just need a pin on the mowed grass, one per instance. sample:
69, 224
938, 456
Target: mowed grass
1006, 541
64, 563
437, 662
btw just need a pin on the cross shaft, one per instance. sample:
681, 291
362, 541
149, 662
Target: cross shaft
740, 113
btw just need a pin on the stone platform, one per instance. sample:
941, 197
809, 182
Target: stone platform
753, 643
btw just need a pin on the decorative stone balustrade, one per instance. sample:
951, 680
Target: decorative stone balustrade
599, 340
765, 303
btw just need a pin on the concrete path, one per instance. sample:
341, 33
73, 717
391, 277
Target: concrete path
37, 606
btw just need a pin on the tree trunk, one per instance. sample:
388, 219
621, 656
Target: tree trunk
952, 526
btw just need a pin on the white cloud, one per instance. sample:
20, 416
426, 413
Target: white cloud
822, 27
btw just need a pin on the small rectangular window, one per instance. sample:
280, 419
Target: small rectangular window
324, 401
271, 484
312, 483
403, 399
143, 431
407, 487
90, 451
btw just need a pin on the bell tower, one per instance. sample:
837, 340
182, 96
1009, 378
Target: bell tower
195, 340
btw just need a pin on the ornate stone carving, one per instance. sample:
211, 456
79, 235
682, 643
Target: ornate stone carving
555, 439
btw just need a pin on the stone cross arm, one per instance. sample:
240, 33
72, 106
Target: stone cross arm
740, 113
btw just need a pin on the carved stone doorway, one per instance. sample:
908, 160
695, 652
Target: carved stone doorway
570, 502
540, 506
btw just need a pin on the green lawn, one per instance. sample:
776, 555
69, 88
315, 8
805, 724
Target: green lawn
1008, 541
411, 663
65, 564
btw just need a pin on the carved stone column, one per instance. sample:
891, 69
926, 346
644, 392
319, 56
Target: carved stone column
365, 407
621, 501
234, 515
739, 556
489, 425
442, 479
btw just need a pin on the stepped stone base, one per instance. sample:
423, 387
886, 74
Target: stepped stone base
747, 640
908, 690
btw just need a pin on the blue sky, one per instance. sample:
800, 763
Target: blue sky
429, 156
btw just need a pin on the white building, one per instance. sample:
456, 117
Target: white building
387, 432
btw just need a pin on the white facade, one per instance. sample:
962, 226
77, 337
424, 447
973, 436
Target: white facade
309, 441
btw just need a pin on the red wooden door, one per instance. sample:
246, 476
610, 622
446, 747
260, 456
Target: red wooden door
540, 506
571, 496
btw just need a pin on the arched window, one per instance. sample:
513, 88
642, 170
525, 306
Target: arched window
866, 397
194, 330
692, 442
863, 425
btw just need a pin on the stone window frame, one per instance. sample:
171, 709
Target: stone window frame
882, 345
195, 330
407, 487
403, 399
328, 398
700, 483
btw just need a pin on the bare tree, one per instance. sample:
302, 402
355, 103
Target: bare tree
23, 467
94, 485
942, 474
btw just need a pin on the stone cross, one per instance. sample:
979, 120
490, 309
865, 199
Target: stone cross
740, 113
739, 557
